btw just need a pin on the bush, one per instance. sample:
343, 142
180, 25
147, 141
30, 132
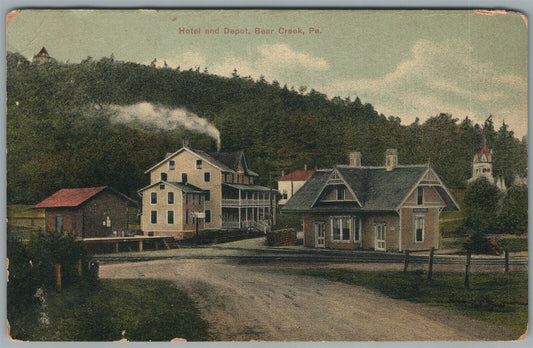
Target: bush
281, 237
513, 217
48, 250
478, 243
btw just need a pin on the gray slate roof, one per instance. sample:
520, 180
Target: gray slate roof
377, 189
226, 161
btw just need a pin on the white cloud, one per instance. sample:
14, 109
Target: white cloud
274, 62
444, 77
282, 56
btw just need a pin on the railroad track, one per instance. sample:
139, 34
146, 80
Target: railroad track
325, 256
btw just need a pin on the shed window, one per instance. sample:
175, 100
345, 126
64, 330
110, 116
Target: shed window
106, 221
58, 222
153, 197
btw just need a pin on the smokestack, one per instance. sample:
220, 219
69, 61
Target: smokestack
391, 159
354, 159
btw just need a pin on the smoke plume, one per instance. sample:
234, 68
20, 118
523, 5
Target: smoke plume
164, 118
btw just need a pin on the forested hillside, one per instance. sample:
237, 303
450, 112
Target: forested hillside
64, 129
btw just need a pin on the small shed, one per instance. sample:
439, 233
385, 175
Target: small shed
88, 212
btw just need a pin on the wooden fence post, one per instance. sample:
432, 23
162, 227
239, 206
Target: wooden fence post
430, 265
406, 261
58, 276
506, 260
467, 268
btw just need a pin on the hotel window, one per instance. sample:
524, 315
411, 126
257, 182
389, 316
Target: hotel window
153, 217
284, 194
187, 217
171, 198
420, 197
207, 177
207, 195
171, 165
419, 229
199, 164
340, 228
184, 178
170, 217
208, 216
153, 197
164, 176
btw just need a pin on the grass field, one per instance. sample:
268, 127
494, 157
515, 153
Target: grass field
501, 299
17, 212
148, 310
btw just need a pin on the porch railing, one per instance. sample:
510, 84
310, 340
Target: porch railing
245, 202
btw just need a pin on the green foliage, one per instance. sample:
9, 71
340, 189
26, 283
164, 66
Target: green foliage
501, 299
480, 206
514, 244
23, 278
513, 217
47, 250
59, 133
148, 310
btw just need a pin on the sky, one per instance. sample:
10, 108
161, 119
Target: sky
409, 63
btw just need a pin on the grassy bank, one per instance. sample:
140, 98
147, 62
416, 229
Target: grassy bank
501, 299
148, 310
513, 245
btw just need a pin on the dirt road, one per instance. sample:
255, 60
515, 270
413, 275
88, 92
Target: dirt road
244, 302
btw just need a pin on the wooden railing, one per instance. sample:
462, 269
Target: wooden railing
245, 202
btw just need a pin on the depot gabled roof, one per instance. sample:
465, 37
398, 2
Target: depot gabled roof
375, 189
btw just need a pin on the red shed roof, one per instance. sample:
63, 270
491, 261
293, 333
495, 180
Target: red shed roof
70, 197
297, 175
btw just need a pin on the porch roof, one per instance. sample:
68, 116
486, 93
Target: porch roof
246, 187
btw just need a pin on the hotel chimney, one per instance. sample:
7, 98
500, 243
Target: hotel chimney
354, 159
391, 159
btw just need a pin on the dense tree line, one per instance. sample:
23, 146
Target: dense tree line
60, 134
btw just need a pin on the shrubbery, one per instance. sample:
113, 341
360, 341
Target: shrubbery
32, 267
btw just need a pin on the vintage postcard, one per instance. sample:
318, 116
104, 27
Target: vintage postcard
267, 175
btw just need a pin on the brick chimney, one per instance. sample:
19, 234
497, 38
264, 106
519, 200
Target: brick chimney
354, 159
391, 159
